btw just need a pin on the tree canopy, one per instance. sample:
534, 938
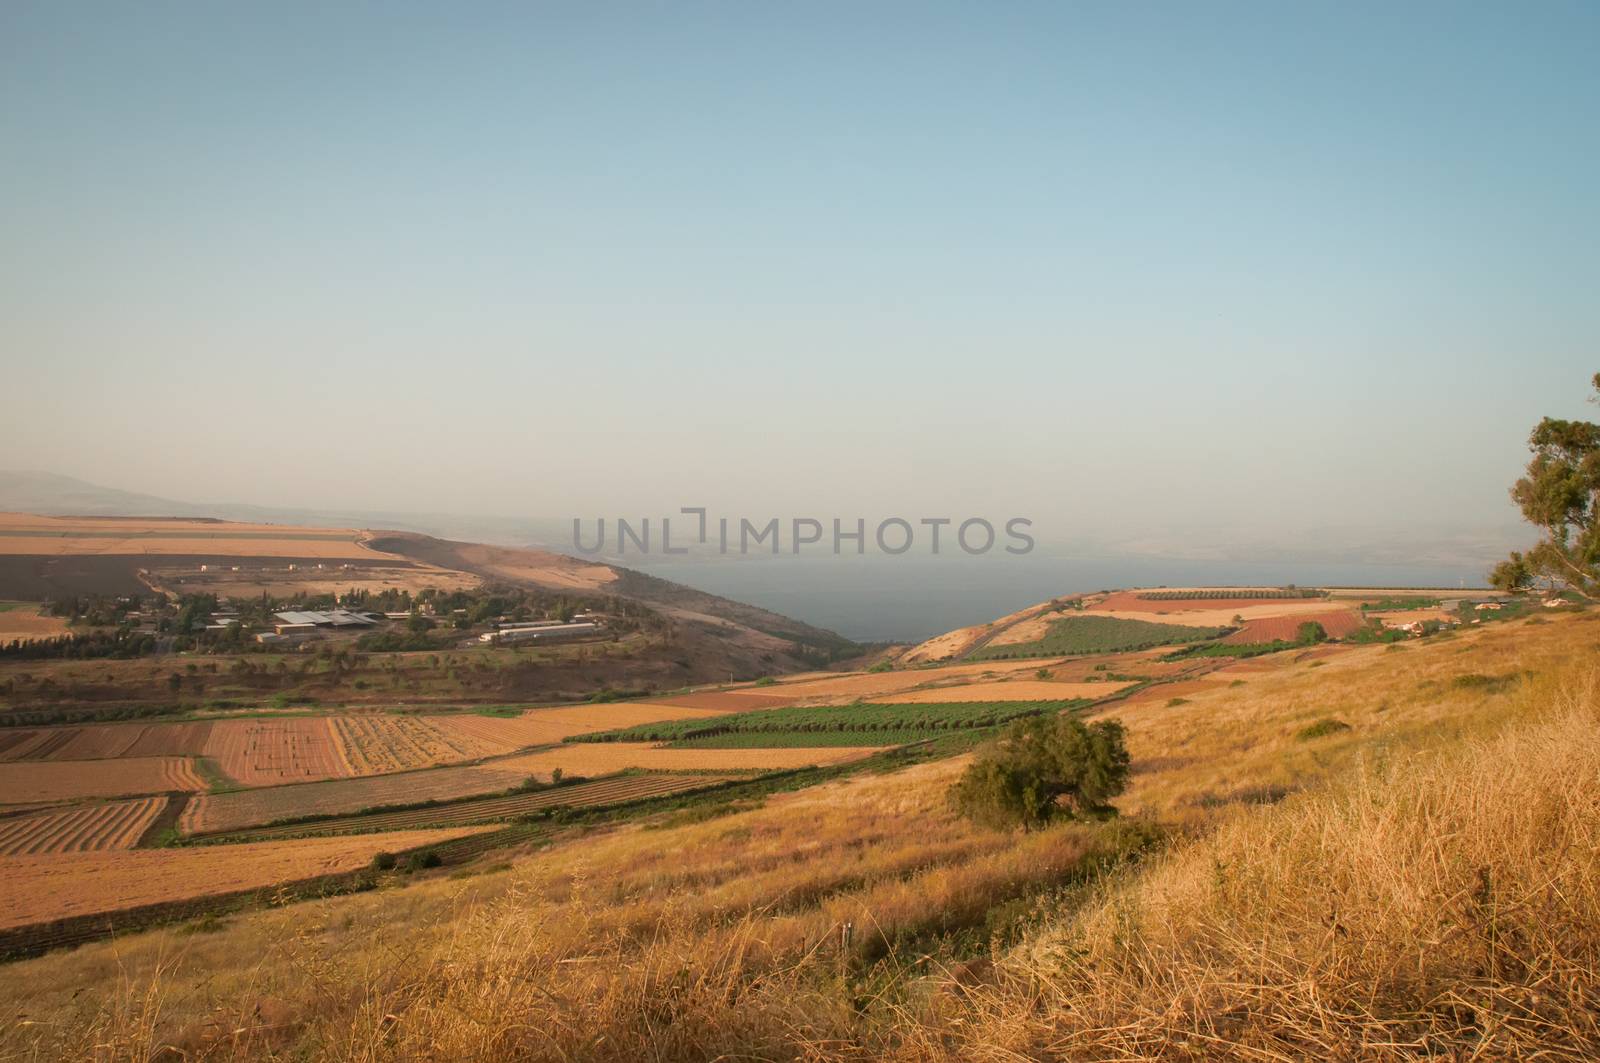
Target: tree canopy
1042, 767
1561, 496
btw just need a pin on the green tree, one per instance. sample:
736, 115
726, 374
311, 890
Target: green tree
1041, 767
1560, 495
1310, 632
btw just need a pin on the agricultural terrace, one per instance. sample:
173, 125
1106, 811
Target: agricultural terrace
595, 794
81, 828
378, 744
859, 724
610, 757
98, 741
1079, 634
266, 752
28, 782
1009, 690
540, 727
61, 885
271, 804
1335, 624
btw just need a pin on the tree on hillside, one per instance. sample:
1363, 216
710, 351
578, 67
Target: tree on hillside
1561, 496
1311, 632
1042, 767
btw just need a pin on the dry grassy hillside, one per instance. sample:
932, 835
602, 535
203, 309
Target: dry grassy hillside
1422, 879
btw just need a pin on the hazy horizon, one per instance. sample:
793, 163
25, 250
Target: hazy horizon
1220, 275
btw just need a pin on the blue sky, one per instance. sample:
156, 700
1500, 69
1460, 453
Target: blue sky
1182, 268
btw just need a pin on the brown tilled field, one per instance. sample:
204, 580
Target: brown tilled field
251, 808
97, 741
1338, 623
603, 758
72, 780
43, 888
376, 745
496, 809
83, 828
266, 752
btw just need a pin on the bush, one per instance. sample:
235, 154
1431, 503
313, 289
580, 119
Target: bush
1038, 762
423, 860
1321, 729
383, 861
1310, 632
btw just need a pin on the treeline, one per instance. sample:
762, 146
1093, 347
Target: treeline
121, 644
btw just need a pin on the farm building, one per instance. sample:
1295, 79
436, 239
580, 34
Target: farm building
539, 634
328, 618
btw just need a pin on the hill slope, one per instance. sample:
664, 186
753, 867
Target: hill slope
1420, 879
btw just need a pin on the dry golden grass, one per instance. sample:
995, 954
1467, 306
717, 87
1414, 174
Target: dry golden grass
23, 623
1440, 906
1443, 895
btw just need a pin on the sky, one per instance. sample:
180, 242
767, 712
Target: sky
1189, 271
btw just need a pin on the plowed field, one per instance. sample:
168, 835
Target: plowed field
1338, 623
590, 794
268, 752
71, 780
605, 758
85, 828
249, 808
375, 745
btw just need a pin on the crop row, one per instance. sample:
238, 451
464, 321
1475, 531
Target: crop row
492, 809
843, 720
83, 828
1098, 634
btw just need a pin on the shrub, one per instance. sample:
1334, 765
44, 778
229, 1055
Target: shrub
423, 860
383, 861
1310, 632
1321, 729
1038, 762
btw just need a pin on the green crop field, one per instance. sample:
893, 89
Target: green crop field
839, 725
1097, 634
1401, 602
811, 739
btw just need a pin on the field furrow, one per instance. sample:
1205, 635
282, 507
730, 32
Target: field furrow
489, 810
92, 828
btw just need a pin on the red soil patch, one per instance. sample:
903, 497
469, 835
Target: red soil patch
1338, 623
